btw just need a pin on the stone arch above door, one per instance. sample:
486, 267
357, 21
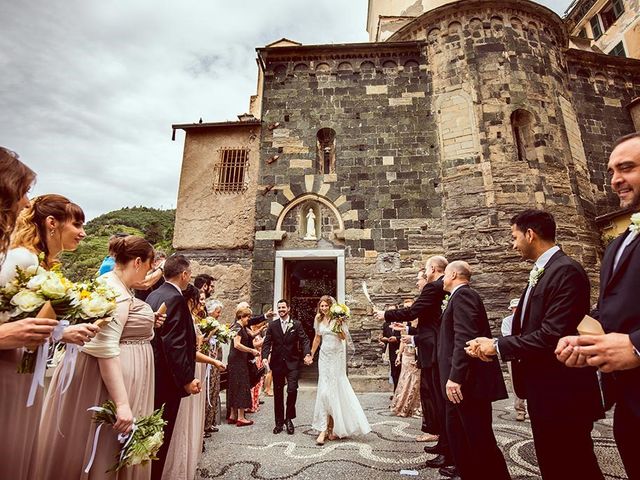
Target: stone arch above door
294, 220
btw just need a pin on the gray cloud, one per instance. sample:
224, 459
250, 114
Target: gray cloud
89, 90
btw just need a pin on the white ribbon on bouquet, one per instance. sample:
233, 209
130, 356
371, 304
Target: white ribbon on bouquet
122, 438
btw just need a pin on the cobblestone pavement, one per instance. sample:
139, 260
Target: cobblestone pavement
254, 452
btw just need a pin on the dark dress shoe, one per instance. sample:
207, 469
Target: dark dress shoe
433, 449
437, 462
278, 428
261, 402
207, 435
214, 429
450, 471
290, 428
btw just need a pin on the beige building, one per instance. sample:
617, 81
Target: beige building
612, 26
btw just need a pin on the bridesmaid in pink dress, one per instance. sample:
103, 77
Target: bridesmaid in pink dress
185, 449
116, 365
46, 225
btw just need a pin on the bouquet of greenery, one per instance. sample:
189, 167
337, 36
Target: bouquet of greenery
339, 313
138, 446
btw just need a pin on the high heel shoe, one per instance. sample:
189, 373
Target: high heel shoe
320, 439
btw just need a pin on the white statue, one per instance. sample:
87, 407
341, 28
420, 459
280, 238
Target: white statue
311, 226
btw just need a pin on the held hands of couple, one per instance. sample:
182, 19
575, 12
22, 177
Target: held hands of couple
193, 387
609, 353
482, 348
308, 359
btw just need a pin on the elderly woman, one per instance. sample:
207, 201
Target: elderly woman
239, 390
212, 412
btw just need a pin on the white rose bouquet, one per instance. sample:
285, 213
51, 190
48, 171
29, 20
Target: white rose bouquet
339, 313
224, 334
35, 289
141, 445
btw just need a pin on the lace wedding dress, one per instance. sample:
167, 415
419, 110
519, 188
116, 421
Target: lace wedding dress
335, 396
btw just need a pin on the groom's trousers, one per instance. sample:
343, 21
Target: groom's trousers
279, 378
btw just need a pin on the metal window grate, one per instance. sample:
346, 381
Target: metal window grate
230, 172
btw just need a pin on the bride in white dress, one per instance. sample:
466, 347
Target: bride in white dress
337, 413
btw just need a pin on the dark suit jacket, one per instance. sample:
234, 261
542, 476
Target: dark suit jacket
465, 319
556, 305
174, 344
619, 311
287, 349
388, 332
427, 309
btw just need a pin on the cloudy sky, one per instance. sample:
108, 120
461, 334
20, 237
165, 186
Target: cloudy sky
89, 89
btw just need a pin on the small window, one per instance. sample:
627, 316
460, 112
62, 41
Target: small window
618, 51
618, 8
596, 28
230, 172
582, 33
522, 124
326, 151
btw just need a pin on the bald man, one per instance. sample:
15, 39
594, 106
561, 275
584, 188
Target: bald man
469, 384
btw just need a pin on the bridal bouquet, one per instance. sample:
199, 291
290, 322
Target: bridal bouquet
138, 446
224, 334
339, 313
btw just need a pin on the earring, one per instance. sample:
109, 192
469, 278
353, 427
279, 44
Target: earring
52, 232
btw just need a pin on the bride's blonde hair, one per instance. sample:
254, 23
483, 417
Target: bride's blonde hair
327, 299
31, 230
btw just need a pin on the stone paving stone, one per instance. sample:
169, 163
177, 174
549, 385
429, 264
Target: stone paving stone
256, 453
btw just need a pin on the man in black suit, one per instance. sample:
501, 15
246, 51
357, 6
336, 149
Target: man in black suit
563, 403
469, 384
427, 309
617, 353
282, 350
174, 350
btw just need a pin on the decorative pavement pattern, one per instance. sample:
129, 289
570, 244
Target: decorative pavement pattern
254, 452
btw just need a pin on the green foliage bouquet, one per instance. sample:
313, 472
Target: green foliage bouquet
139, 446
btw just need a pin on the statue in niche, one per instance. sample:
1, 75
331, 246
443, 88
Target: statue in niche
311, 226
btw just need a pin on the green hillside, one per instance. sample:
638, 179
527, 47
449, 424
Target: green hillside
153, 224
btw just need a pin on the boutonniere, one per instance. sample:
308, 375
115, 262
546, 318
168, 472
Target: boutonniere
445, 302
635, 223
534, 276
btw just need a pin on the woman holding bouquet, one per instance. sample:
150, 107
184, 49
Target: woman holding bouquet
116, 365
185, 448
337, 413
47, 225
239, 390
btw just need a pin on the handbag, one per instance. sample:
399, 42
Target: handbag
255, 373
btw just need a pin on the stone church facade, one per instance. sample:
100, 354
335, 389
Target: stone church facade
426, 143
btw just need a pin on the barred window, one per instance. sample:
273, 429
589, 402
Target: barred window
230, 172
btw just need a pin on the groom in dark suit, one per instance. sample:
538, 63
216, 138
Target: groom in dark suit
563, 403
174, 350
469, 385
617, 354
282, 350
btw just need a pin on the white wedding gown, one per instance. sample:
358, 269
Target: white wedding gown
335, 396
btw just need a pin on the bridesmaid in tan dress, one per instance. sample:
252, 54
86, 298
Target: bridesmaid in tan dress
46, 225
406, 399
116, 365
185, 449
19, 423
